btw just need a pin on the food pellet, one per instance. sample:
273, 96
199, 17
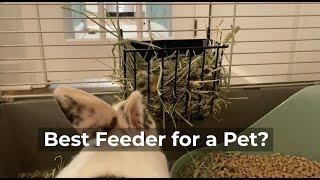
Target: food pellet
227, 164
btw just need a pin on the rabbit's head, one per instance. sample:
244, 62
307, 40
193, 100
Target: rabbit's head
87, 112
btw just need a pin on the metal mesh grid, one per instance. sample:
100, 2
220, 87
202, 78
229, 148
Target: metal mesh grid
297, 55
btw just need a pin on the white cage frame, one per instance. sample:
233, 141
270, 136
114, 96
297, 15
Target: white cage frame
234, 16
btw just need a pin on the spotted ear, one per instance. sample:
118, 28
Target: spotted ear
84, 110
133, 114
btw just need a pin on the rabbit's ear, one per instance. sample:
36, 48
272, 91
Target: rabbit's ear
84, 110
132, 113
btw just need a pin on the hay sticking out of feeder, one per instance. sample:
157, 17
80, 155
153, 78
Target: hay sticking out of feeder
236, 164
169, 88
48, 173
201, 98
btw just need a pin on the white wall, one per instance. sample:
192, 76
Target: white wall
177, 10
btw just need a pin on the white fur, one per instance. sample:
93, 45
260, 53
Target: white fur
115, 163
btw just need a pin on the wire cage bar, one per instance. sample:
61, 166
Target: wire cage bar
301, 59
170, 56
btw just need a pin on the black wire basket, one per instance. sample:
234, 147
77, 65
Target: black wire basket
179, 63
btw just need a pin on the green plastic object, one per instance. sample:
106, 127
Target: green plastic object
295, 123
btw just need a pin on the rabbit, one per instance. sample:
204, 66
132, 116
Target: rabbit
86, 111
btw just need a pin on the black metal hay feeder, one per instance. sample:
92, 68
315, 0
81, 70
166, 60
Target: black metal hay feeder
193, 46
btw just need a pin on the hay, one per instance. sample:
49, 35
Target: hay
202, 100
198, 97
238, 165
47, 173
